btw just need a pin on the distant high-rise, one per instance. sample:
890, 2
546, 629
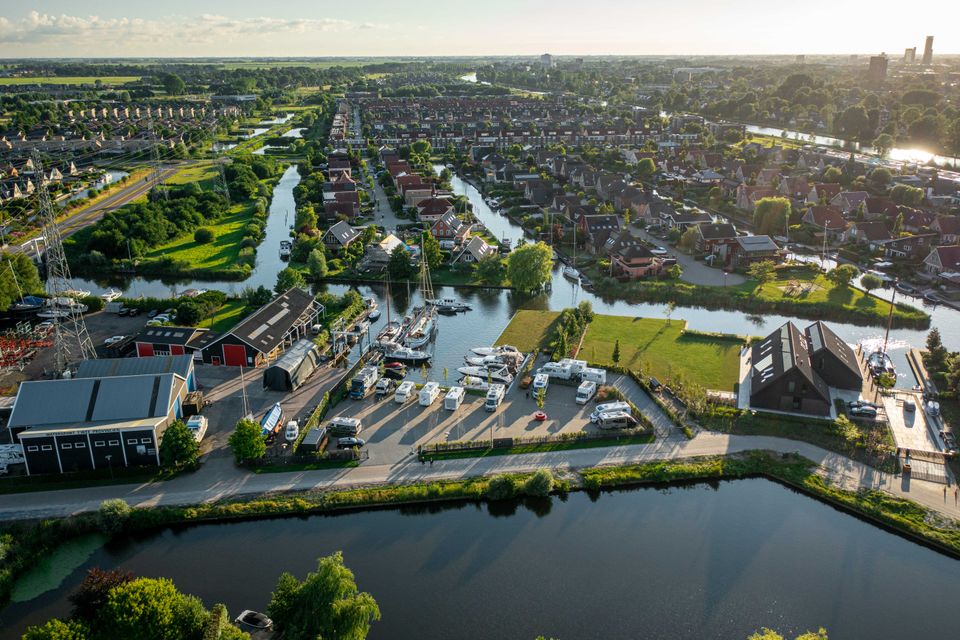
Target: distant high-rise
546, 61
910, 55
928, 51
878, 69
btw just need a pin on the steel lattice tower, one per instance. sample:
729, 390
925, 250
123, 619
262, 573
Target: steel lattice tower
71, 339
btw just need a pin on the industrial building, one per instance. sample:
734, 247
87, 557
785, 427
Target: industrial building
173, 341
113, 414
292, 368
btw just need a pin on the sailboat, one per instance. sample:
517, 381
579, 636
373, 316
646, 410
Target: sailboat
880, 361
570, 271
422, 327
391, 330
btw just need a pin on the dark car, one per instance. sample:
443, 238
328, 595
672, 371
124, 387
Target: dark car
123, 312
153, 313
134, 312
350, 443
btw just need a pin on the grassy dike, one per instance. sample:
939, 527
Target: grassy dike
23, 544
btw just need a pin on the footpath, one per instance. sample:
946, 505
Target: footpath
220, 479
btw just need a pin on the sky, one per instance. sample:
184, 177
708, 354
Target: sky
194, 28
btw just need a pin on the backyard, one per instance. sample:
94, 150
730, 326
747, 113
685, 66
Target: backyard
529, 330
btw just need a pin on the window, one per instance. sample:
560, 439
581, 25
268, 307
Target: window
131, 441
113, 443
791, 386
46, 447
66, 445
145, 440
81, 445
142, 450
98, 443
33, 448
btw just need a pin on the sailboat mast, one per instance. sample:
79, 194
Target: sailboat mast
886, 336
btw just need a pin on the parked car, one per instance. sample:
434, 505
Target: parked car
862, 403
113, 340
134, 312
909, 406
153, 313
350, 443
863, 412
292, 432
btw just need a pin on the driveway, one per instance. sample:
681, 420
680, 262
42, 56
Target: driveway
694, 271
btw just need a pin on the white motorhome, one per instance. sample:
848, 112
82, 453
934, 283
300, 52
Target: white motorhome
404, 392
608, 407
557, 370
541, 381
576, 366
454, 398
494, 397
586, 391
428, 393
594, 375
617, 420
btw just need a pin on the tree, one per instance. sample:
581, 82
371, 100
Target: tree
540, 484
880, 177
57, 629
689, 238
327, 604
247, 441
936, 353
150, 609
317, 264
178, 446
541, 397
616, 352
400, 266
674, 272
870, 282
92, 593
289, 278
668, 310
430, 249
762, 271
883, 143
843, 275
173, 84
203, 236
529, 266
907, 195
832, 174
18, 276
113, 515
770, 215
646, 167
898, 225
490, 269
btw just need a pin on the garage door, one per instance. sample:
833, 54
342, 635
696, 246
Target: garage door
144, 349
176, 350
235, 355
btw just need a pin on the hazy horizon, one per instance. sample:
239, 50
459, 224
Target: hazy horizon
376, 28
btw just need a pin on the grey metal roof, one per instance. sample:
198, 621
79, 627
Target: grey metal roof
265, 329
168, 335
89, 401
110, 367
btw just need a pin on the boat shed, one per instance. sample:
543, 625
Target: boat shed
113, 414
260, 338
292, 368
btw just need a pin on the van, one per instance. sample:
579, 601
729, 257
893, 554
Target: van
453, 399
404, 391
609, 407
586, 391
541, 381
594, 375
429, 393
384, 387
617, 420
341, 426
494, 396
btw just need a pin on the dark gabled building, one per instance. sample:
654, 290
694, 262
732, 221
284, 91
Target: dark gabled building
113, 414
173, 341
833, 359
782, 377
261, 337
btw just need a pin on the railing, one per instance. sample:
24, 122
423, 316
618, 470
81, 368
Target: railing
508, 443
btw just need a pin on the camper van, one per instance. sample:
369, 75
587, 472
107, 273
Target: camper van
363, 382
541, 381
586, 391
556, 370
617, 420
494, 396
454, 398
608, 407
594, 375
341, 426
429, 393
577, 367
404, 392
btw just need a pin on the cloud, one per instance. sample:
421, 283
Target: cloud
86, 32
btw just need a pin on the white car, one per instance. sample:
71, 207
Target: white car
113, 340
292, 431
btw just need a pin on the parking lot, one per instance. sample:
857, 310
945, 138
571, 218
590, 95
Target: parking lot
393, 431
911, 429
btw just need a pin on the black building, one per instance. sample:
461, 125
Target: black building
783, 378
833, 359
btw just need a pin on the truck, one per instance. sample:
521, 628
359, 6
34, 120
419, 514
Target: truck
363, 382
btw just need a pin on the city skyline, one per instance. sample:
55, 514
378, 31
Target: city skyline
298, 28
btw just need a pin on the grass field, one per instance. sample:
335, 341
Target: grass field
796, 286
70, 80
203, 174
222, 253
226, 317
662, 348
528, 330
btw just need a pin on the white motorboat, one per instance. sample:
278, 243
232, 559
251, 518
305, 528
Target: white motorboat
493, 351
110, 295
374, 315
198, 426
571, 274
400, 353
422, 328
474, 383
510, 360
286, 247
449, 304
495, 373
77, 293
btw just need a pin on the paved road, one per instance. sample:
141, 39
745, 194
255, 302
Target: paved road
90, 214
220, 479
694, 271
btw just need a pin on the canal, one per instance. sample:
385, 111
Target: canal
699, 561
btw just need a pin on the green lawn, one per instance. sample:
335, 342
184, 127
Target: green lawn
226, 316
222, 253
203, 174
798, 286
70, 80
663, 348
528, 329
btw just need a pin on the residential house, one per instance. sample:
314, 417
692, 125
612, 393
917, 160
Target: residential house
826, 219
910, 247
450, 227
948, 227
782, 377
474, 251
849, 201
943, 260
630, 259
594, 231
683, 220
749, 249
876, 207
377, 254
823, 192
748, 195
712, 235
871, 233
340, 236
833, 359
432, 209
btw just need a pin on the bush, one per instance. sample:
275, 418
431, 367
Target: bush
203, 236
539, 485
501, 488
113, 515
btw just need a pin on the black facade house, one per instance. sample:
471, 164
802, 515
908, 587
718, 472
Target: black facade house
88, 423
782, 377
165, 341
293, 368
260, 338
833, 359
